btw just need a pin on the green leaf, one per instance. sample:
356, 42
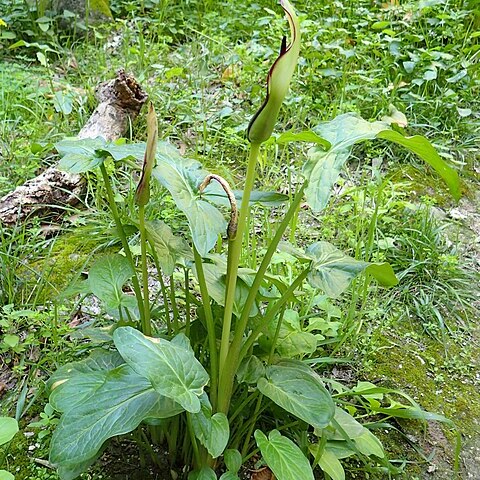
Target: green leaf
213, 431
424, 149
339, 449
169, 248
72, 471
284, 458
292, 340
81, 146
351, 427
120, 151
250, 370
229, 476
323, 167
233, 460
206, 473
79, 163
11, 340
115, 407
216, 279
181, 177
308, 136
332, 270
8, 429
269, 199
173, 370
329, 464
99, 360
369, 444
69, 393
4, 475
106, 279
300, 392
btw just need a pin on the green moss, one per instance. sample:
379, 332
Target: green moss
50, 275
440, 377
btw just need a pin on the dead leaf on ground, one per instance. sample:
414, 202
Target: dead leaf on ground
263, 474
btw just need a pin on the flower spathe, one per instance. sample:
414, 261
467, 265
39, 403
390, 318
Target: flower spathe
142, 195
261, 125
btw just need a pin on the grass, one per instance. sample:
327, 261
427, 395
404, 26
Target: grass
204, 66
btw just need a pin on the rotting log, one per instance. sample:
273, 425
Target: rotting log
120, 101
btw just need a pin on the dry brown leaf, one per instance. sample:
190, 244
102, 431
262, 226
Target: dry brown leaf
263, 474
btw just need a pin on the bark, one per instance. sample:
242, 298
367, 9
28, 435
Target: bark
120, 101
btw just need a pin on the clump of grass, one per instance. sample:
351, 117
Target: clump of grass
436, 288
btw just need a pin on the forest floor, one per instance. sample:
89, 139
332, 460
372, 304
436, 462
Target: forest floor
204, 70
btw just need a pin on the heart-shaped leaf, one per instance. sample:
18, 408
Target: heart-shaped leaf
8, 429
4, 475
213, 431
292, 340
181, 177
284, 458
323, 167
308, 136
100, 360
79, 155
268, 199
173, 370
216, 279
206, 473
233, 460
169, 247
79, 163
329, 464
299, 391
332, 270
116, 406
106, 279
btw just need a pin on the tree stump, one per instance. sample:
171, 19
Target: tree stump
120, 101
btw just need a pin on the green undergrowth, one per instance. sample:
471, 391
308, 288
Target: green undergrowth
205, 69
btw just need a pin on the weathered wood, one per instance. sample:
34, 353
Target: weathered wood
120, 101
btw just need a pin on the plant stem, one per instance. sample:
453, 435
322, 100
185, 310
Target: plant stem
123, 238
147, 326
271, 313
260, 397
226, 377
239, 332
187, 303
163, 289
173, 302
212, 340
234, 252
246, 443
193, 439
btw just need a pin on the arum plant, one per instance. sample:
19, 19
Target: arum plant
237, 354
259, 130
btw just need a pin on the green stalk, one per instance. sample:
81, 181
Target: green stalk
239, 332
173, 302
147, 326
126, 246
163, 288
253, 422
270, 315
226, 378
187, 303
212, 340
260, 398
234, 252
193, 439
